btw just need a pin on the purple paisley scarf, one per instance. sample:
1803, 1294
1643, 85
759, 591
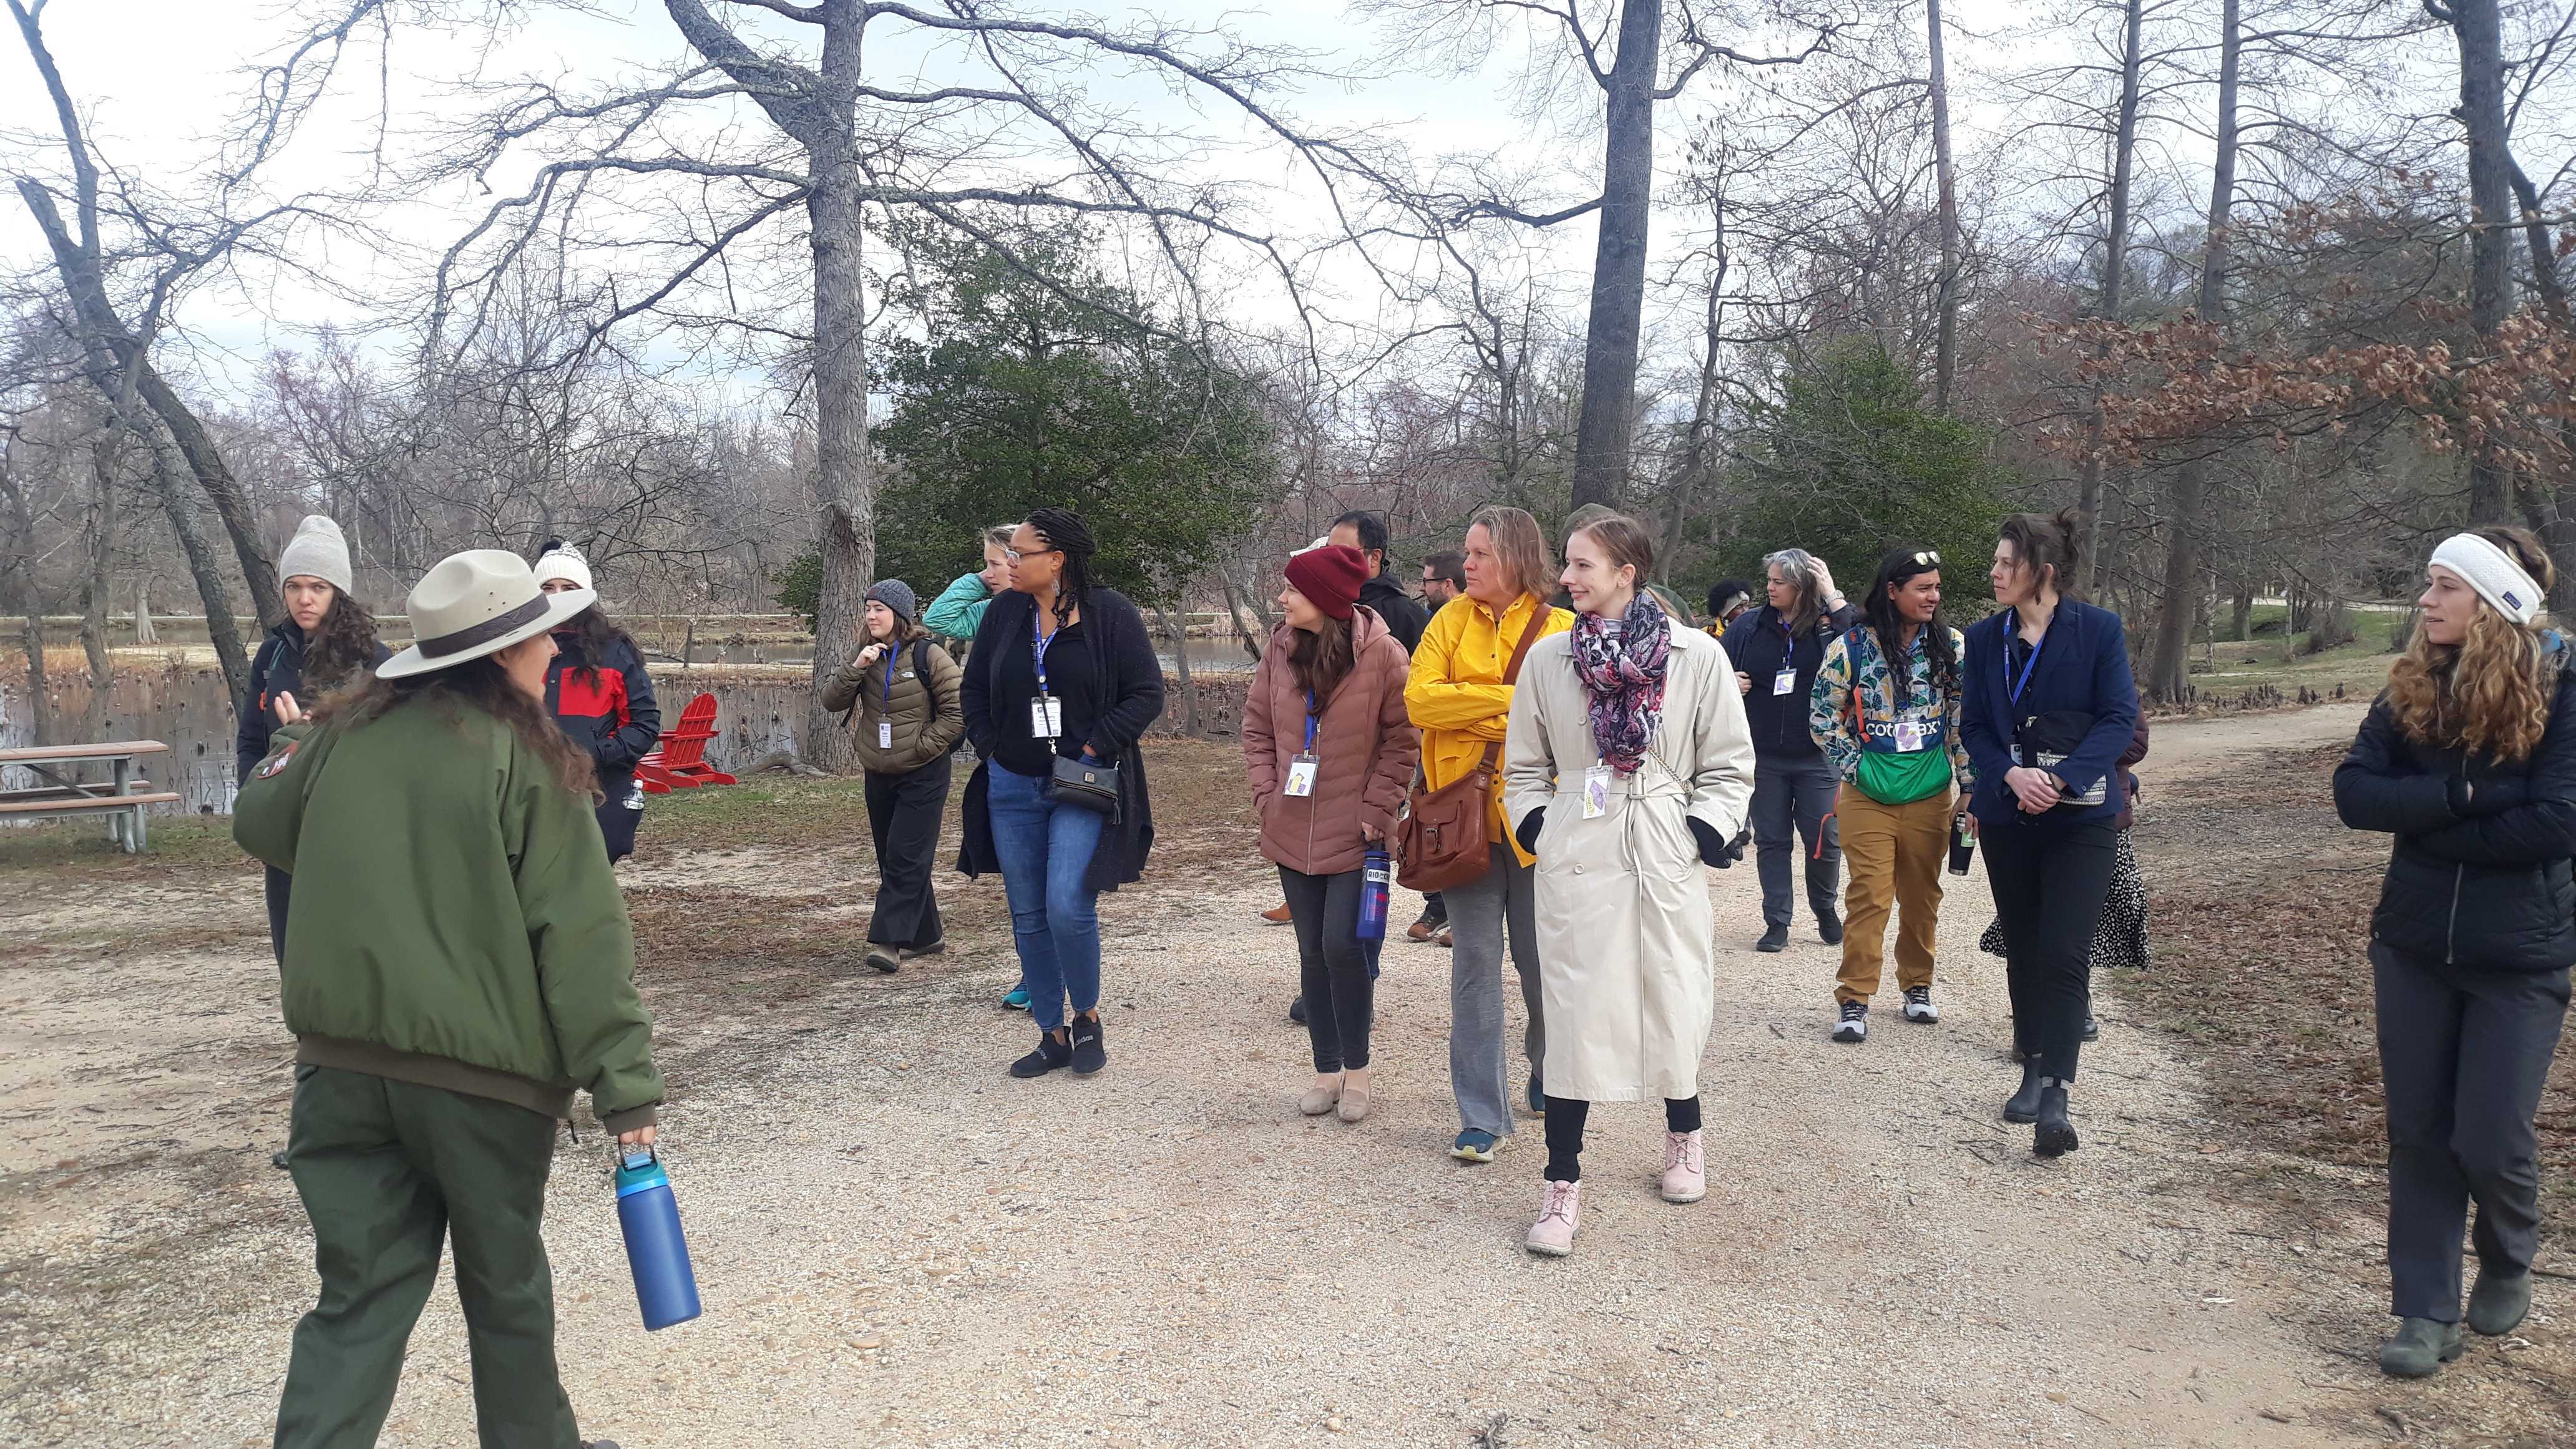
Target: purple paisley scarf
1623, 672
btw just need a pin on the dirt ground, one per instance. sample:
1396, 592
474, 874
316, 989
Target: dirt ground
898, 1245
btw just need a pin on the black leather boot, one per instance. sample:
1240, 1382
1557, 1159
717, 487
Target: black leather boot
2023, 1106
2055, 1135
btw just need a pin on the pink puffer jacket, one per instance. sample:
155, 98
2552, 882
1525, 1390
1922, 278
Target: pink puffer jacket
1364, 743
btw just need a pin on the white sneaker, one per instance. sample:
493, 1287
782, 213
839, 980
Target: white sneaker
1918, 1005
1560, 1205
1853, 1024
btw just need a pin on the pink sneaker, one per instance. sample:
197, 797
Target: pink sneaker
1685, 1167
1560, 1204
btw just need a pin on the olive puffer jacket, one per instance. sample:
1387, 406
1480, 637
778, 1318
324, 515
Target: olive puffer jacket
2480, 873
1365, 747
926, 715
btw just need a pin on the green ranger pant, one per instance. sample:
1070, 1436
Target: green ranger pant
387, 1170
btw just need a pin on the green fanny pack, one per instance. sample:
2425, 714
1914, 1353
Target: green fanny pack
1893, 778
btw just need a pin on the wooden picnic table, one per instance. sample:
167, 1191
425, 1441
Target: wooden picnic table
122, 799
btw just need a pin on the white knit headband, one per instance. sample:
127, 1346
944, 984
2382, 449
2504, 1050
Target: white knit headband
2493, 573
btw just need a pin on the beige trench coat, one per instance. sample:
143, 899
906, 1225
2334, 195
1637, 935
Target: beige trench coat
1625, 941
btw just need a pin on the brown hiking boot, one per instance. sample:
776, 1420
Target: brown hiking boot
1278, 917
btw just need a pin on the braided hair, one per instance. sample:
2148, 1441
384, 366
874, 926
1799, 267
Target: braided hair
1064, 530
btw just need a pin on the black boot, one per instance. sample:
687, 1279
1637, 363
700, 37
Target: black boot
1774, 940
1297, 1010
2023, 1106
1829, 925
2055, 1135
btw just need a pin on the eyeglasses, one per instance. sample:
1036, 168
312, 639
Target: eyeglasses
1014, 555
1927, 558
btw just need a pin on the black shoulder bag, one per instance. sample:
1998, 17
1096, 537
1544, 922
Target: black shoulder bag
1090, 784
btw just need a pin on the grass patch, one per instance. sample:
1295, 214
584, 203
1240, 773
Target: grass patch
185, 841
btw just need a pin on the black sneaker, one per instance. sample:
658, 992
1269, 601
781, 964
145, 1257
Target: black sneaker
1774, 940
1050, 1055
1297, 1011
1088, 1055
1853, 1024
1829, 927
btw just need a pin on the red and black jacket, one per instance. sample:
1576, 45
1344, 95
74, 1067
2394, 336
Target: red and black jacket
607, 707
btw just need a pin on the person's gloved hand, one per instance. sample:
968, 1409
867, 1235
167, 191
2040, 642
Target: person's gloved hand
1527, 831
1714, 850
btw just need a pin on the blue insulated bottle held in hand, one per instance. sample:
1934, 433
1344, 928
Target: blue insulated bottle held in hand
655, 1251
1375, 872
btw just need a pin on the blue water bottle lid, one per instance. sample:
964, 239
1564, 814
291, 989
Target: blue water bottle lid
640, 1171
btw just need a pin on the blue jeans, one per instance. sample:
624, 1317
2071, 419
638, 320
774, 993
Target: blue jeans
1045, 850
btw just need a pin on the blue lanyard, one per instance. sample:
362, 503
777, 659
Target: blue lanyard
1039, 644
2011, 688
1310, 722
889, 684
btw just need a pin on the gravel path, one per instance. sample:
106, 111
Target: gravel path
899, 1246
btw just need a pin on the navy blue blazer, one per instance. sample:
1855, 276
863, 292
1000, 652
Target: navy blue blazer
2083, 665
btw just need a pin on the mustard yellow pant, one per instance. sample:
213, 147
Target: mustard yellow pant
1892, 858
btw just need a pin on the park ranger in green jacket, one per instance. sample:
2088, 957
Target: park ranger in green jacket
458, 963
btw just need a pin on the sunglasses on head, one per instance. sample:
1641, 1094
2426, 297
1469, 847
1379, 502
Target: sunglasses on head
1927, 558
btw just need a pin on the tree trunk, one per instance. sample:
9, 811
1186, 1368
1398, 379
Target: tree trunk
203, 567
1945, 345
143, 630
1179, 633
2475, 24
1603, 431
102, 548
2115, 264
31, 609
2169, 675
2241, 612
843, 488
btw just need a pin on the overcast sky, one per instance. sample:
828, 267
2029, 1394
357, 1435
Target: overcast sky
158, 78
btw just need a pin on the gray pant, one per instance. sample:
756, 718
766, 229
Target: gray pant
2463, 1054
1792, 800
1479, 1067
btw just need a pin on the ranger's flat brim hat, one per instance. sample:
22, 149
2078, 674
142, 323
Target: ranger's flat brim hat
475, 603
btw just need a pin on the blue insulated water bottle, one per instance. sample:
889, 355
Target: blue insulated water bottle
655, 1250
1374, 874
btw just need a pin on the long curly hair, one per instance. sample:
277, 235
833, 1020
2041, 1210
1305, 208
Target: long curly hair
593, 632
341, 647
1878, 611
476, 684
2490, 693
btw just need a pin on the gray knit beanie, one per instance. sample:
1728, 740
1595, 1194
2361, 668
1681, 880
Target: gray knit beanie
317, 551
895, 594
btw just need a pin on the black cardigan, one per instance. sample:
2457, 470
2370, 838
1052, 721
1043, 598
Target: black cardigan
1123, 656
2480, 872
1757, 645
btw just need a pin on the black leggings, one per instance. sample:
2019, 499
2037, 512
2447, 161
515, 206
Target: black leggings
2049, 885
1332, 966
1565, 1117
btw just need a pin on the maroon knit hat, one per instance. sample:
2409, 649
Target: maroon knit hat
1330, 577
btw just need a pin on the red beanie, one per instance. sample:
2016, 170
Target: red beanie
1330, 577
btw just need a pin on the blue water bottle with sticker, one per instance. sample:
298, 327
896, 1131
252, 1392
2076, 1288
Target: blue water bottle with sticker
1375, 873
656, 1252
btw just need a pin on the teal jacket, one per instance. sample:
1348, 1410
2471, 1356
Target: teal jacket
454, 921
959, 610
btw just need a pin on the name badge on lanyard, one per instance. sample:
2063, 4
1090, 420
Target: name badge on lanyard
885, 725
1596, 792
1046, 712
1910, 736
1301, 770
1786, 681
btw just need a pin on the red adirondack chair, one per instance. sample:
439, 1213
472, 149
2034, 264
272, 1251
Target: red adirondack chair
681, 762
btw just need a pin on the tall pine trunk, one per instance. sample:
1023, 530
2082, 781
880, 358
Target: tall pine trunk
2168, 675
2478, 28
844, 496
1945, 345
1604, 430
2115, 266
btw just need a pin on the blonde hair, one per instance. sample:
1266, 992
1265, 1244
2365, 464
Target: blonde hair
2490, 693
1520, 545
999, 535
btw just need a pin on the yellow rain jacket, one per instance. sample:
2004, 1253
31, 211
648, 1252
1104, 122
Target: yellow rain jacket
1456, 693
